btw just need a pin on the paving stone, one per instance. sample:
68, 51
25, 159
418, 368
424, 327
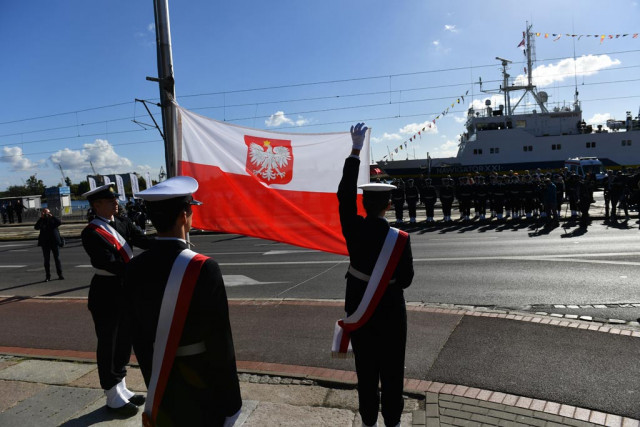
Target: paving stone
418, 418
432, 410
576, 423
484, 419
284, 394
51, 406
454, 413
548, 417
475, 409
450, 405
431, 397
278, 414
502, 414
345, 399
45, 371
13, 392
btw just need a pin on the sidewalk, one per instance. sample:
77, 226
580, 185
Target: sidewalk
517, 369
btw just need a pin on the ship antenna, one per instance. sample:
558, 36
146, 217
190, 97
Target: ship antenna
575, 73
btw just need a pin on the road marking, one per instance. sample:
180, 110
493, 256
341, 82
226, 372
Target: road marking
288, 252
12, 266
84, 266
232, 253
19, 250
13, 244
240, 280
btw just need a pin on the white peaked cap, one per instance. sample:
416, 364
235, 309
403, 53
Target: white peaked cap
377, 187
178, 186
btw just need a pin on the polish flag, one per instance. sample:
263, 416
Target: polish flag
271, 185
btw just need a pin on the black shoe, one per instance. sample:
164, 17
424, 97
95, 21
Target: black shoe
137, 399
60, 277
47, 279
126, 411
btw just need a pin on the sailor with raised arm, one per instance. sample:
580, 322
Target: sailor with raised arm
108, 239
381, 266
183, 338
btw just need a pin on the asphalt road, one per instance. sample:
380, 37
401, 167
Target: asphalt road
498, 265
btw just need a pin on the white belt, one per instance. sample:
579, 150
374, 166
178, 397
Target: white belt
101, 272
191, 349
361, 276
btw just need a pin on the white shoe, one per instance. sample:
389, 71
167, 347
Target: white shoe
115, 397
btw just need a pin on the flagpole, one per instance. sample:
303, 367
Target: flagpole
166, 82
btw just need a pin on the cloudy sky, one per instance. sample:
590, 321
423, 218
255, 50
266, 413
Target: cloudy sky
73, 69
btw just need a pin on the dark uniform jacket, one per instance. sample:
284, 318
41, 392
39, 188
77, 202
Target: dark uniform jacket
203, 388
107, 291
365, 238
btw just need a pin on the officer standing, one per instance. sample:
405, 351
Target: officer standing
199, 368
379, 344
397, 196
447, 193
429, 195
411, 195
107, 239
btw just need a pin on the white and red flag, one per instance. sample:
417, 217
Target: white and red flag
271, 185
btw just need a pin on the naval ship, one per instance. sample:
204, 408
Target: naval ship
505, 139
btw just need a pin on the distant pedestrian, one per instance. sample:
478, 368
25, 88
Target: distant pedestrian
10, 212
50, 242
19, 207
3, 211
549, 201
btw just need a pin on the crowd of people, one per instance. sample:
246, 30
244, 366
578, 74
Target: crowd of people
11, 210
516, 196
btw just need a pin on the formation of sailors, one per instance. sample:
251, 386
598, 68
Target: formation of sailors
527, 196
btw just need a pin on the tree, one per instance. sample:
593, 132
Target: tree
67, 181
35, 185
83, 187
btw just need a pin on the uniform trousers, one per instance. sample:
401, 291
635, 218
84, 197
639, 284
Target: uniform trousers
112, 327
399, 207
379, 350
46, 252
411, 205
429, 207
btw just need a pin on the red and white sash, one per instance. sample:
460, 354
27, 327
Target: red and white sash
382, 271
112, 237
173, 313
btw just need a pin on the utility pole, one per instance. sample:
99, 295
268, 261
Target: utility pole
166, 83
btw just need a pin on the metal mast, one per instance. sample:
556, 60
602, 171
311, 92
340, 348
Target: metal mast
166, 83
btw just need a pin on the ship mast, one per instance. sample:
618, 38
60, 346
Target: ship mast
529, 87
166, 83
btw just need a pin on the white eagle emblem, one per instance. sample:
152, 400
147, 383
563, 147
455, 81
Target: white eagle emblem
269, 160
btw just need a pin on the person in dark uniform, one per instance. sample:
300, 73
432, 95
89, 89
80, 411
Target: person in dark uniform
50, 242
202, 381
463, 194
107, 239
429, 195
559, 182
447, 193
397, 195
571, 187
412, 196
19, 207
3, 211
585, 198
379, 345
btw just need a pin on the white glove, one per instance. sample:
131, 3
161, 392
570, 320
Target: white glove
358, 133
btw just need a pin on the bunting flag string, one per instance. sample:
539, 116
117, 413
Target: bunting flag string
425, 127
602, 37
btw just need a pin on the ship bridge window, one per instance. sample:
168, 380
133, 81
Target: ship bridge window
527, 148
494, 150
556, 146
626, 142
521, 123
477, 151
591, 144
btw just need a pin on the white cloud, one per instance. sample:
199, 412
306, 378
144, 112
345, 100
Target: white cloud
436, 42
451, 28
448, 149
413, 128
387, 137
588, 65
151, 28
279, 118
460, 118
599, 119
104, 158
14, 157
